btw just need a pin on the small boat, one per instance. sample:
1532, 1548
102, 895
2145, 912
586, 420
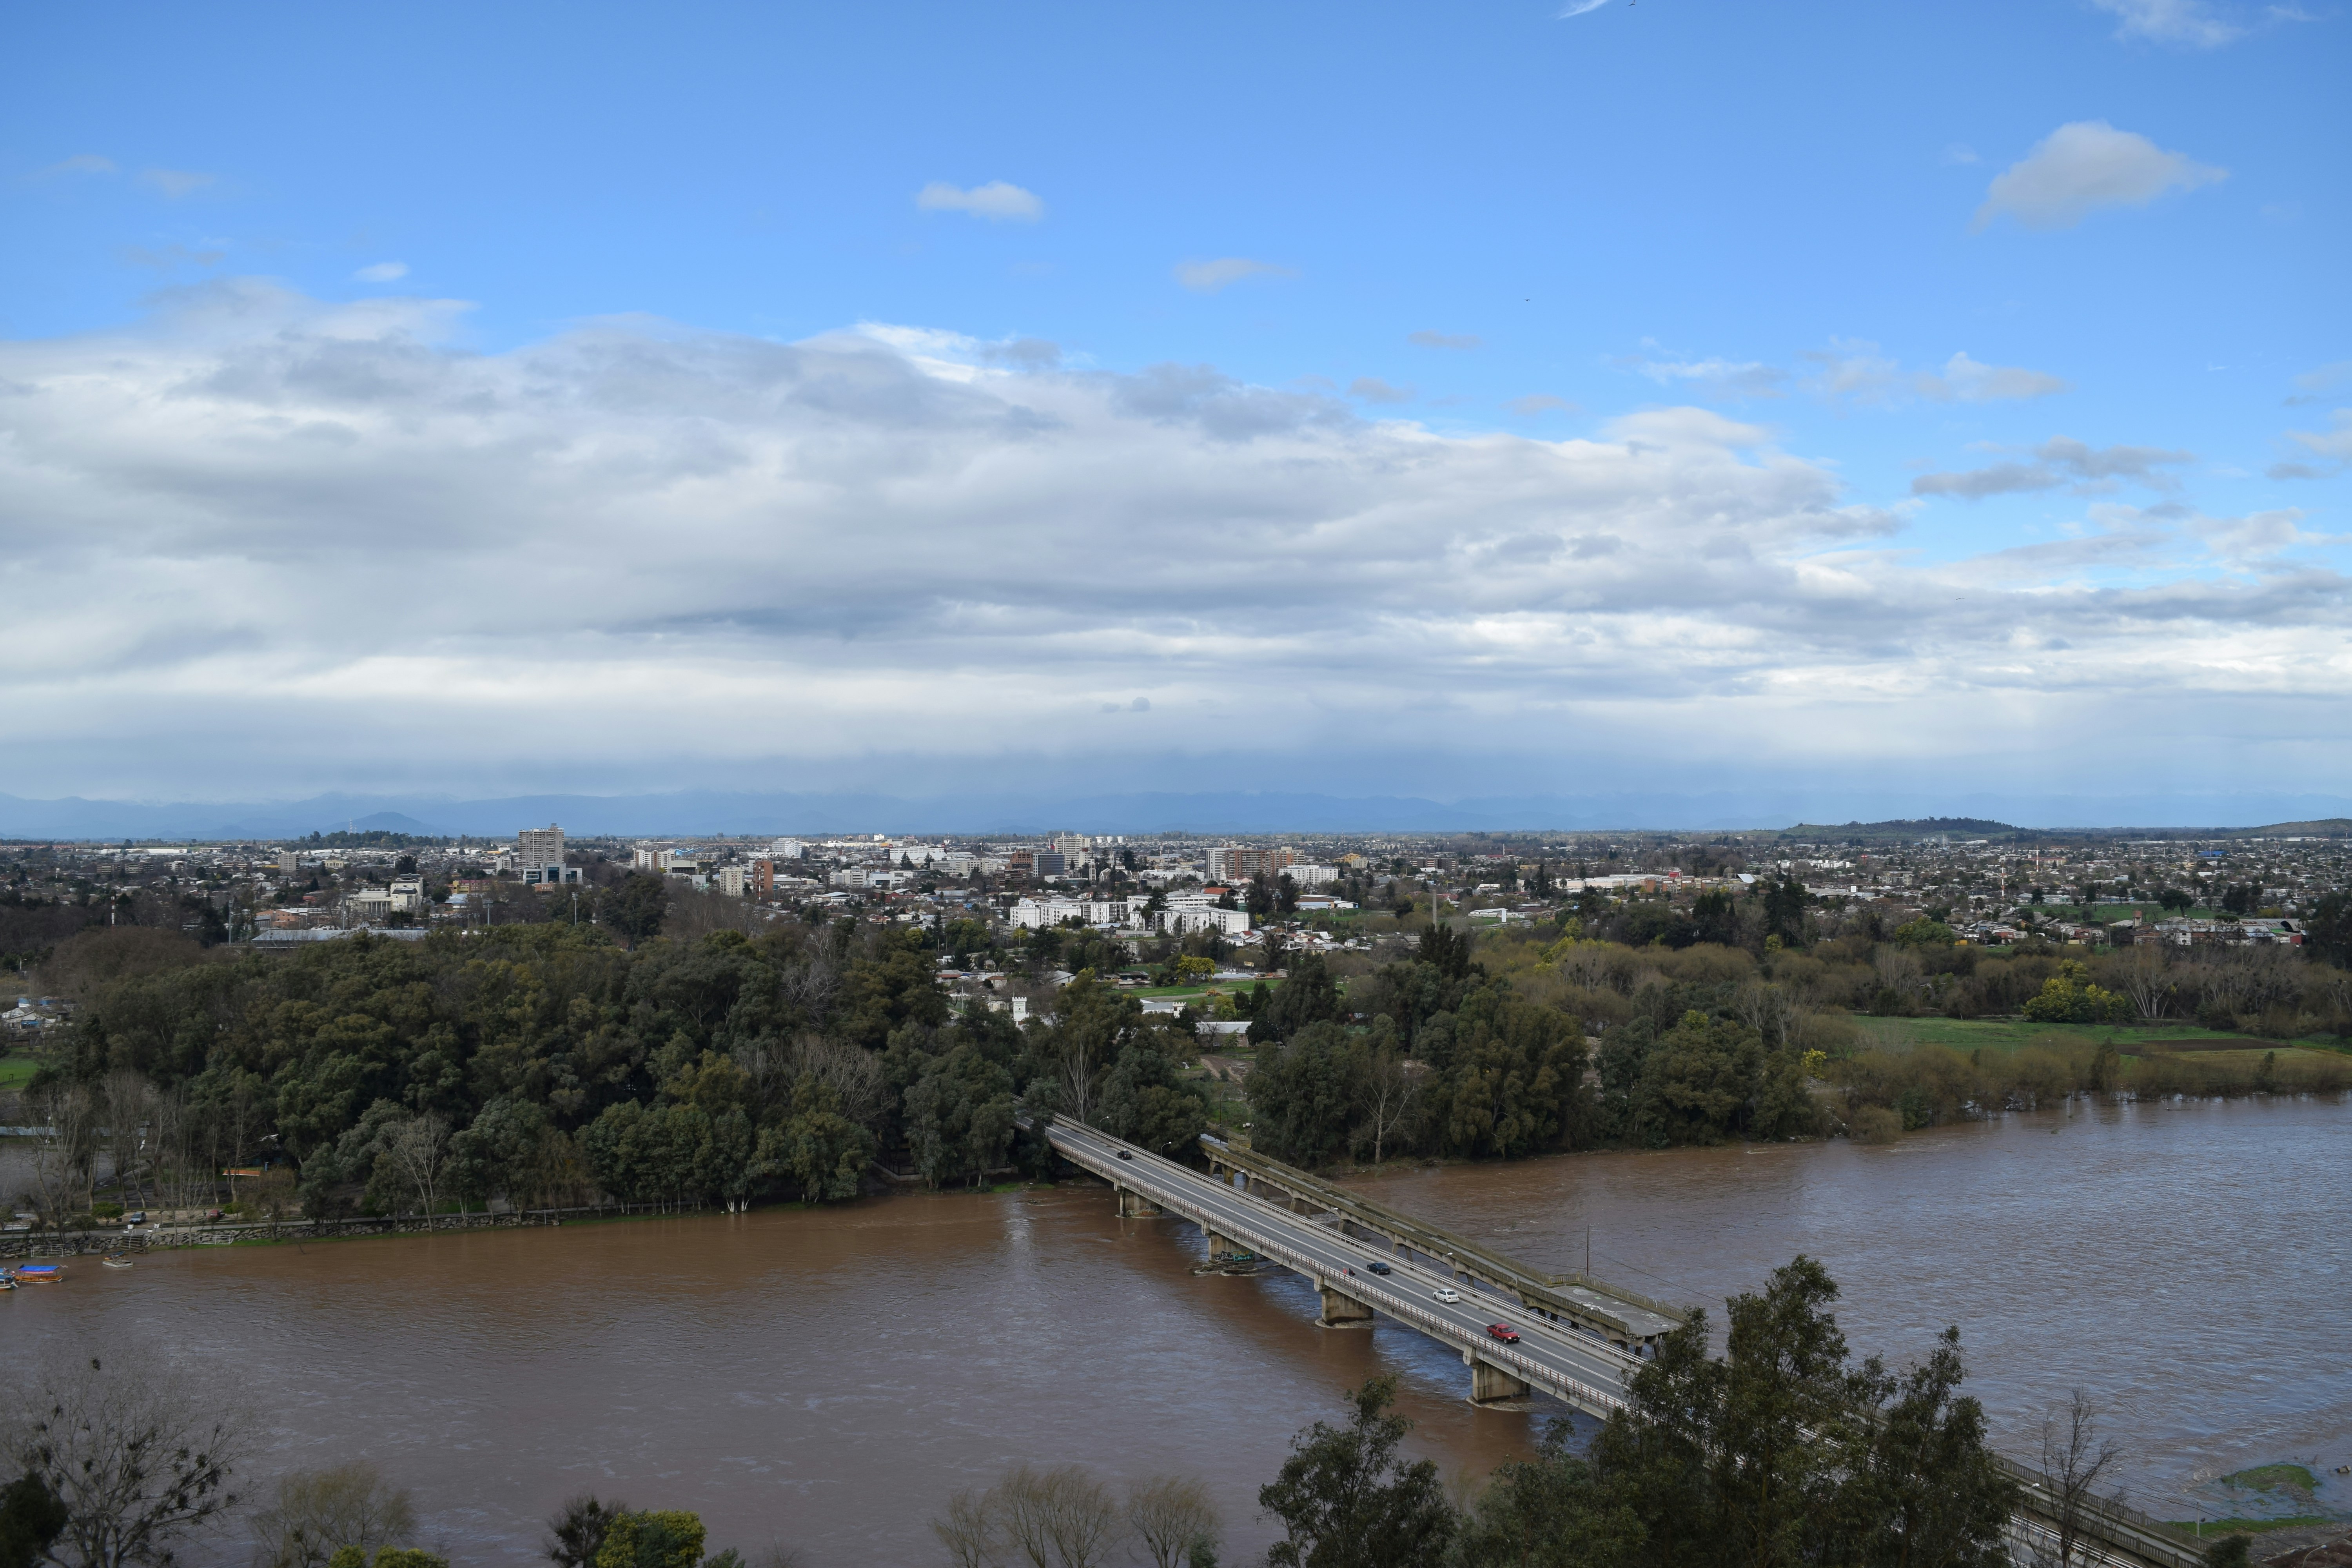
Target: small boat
115, 1260
41, 1273
7, 1280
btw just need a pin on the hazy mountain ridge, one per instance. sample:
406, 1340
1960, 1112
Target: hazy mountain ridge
691, 813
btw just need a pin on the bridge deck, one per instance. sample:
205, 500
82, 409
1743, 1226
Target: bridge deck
1581, 1370
1585, 1303
1575, 1367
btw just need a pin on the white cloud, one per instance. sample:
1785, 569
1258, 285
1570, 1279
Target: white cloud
2060, 461
2191, 22
843, 559
2082, 167
1961, 153
1963, 379
1211, 276
1372, 389
1717, 377
1579, 7
1535, 403
382, 272
2334, 443
175, 183
1434, 339
995, 201
79, 164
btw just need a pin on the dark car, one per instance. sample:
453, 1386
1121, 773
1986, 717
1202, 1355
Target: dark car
1378, 1267
1505, 1333
1125, 1155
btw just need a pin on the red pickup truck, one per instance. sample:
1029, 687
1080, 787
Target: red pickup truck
1505, 1333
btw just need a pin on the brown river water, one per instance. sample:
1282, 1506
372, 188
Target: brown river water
824, 1379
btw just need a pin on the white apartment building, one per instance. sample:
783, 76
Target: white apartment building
1304, 876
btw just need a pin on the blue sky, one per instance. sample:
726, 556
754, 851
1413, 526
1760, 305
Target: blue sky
1952, 331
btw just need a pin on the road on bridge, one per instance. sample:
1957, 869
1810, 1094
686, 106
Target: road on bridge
1583, 1370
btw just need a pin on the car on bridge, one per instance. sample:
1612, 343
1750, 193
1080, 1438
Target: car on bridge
1447, 1293
1505, 1333
1377, 1267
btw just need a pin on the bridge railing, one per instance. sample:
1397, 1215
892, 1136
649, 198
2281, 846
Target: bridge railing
2109, 1533
1499, 1267
1170, 1195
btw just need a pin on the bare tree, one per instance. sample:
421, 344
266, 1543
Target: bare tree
65, 1150
137, 1457
1061, 1517
1172, 1515
854, 1075
2140, 975
969, 1528
1388, 1091
2074, 1458
812, 984
317, 1511
418, 1148
129, 1102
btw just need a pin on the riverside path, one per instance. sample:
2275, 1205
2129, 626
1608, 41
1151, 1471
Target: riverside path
1573, 1365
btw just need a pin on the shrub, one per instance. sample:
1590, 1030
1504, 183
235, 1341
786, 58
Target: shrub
1876, 1124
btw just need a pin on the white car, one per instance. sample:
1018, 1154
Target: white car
1445, 1295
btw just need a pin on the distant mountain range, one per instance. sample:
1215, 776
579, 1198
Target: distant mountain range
690, 812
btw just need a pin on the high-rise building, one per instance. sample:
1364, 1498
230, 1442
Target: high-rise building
538, 856
1241, 862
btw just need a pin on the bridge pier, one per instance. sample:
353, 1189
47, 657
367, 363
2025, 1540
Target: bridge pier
1491, 1384
1341, 1311
1135, 1205
1218, 1245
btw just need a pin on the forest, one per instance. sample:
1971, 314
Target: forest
548, 1064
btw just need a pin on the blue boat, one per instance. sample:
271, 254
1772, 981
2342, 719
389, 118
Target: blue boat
41, 1273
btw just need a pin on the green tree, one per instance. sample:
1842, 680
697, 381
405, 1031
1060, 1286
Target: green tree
1303, 1093
1923, 1489
2070, 997
1550, 1511
30, 1518
1346, 1499
634, 905
1698, 1081
657, 1538
1779, 1455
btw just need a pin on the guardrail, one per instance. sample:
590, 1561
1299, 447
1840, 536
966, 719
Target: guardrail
1499, 1268
2109, 1534
1166, 1195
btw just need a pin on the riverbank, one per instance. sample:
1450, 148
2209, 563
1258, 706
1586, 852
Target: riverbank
164, 1239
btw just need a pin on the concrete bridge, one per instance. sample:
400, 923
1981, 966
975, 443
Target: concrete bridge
1580, 1341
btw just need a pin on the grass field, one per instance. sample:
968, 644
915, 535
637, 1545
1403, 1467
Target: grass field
1194, 993
2015, 1034
17, 1071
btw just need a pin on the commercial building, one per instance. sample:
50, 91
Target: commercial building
539, 856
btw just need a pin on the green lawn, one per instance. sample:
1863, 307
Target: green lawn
1192, 993
2015, 1034
17, 1071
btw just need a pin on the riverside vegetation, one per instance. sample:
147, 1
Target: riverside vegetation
547, 1064
1783, 1452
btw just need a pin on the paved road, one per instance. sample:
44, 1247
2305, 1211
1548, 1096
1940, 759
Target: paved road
1585, 1371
